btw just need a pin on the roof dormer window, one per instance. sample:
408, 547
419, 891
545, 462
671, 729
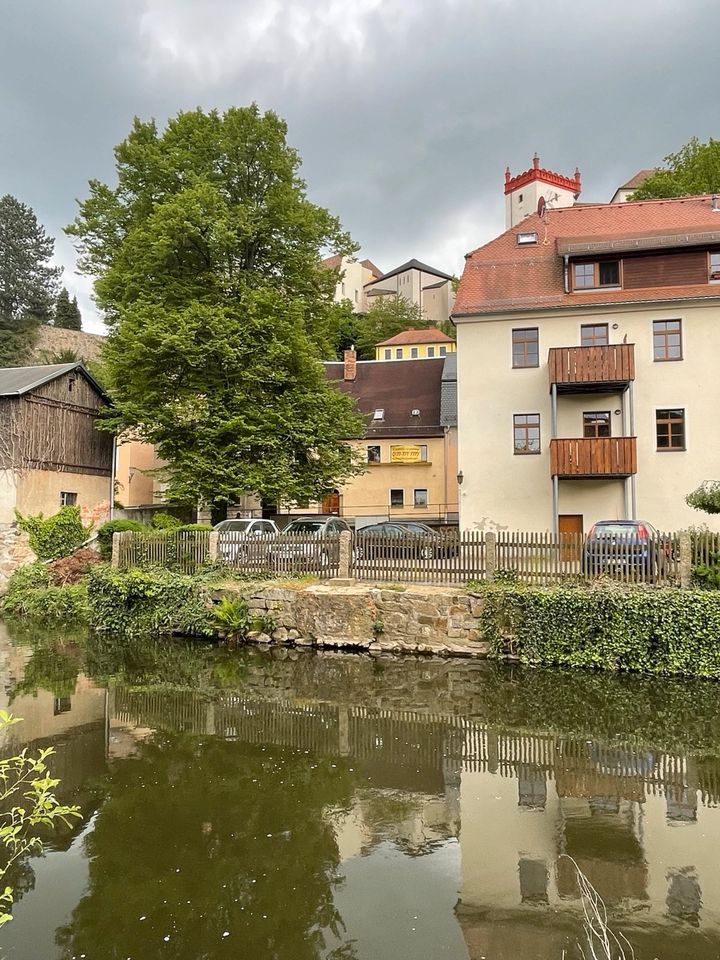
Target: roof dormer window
379, 415
525, 238
590, 276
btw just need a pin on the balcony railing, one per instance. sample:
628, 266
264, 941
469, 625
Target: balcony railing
586, 369
594, 457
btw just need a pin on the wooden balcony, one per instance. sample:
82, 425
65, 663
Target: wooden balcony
607, 369
593, 458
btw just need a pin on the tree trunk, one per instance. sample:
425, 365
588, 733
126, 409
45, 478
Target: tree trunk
218, 512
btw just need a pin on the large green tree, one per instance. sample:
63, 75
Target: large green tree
28, 281
207, 263
693, 170
387, 317
67, 312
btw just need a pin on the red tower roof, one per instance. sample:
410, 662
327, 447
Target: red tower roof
536, 172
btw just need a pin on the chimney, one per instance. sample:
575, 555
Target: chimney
350, 361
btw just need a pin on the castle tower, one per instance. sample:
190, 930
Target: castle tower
523, 191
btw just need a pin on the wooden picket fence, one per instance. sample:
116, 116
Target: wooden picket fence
444, 557
286, 555
183, 550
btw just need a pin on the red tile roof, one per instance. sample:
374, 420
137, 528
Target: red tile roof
505, 276
430, 335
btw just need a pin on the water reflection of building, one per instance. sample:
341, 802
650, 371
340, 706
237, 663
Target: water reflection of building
636, 822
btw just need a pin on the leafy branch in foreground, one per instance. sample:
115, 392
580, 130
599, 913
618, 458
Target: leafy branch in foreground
27, 803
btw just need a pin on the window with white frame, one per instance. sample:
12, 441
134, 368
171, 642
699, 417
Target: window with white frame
397, 498
420, 497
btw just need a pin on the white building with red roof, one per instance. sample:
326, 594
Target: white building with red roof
588, 338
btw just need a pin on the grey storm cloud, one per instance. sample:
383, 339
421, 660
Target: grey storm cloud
405, 113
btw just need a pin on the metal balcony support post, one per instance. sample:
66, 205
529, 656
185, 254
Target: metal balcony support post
553, 411
556, 505
631, 424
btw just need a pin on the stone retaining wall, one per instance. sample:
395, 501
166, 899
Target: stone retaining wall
414, 620
14, 552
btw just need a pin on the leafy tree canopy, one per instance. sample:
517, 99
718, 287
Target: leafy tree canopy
207, 263
706, 498
67, 312
385, 318
28, 282
694, 169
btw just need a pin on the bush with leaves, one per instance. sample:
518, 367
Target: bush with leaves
654, 631
55, 536
30, 594
233, 617
106, 531
27, 805
165, 521
154, 602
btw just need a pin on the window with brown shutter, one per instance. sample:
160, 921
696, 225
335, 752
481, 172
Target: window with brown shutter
602, 273
714, 267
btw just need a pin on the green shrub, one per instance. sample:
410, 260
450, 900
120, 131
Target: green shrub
154, 602
29, 594
234, 618
106, 531
194, 526
33, 576
165, 521
656, 631
56, 536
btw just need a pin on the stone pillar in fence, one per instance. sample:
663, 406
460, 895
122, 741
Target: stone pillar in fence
212, 551
116, 541
490, 555
685, 557
345, 548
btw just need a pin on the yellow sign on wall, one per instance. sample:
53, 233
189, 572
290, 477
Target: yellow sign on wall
407, 453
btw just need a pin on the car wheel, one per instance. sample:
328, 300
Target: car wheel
358, 554
427, 553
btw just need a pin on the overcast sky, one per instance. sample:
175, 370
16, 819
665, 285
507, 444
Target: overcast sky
406, 112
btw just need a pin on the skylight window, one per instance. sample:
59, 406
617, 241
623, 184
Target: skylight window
523, 238
379, 414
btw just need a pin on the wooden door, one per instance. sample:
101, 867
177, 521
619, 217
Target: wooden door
570, 528
331, 504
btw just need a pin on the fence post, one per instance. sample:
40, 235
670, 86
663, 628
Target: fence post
213, 541
490, 555
685, 552
116, 541
344, 563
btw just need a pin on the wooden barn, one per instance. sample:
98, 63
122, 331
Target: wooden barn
51, 452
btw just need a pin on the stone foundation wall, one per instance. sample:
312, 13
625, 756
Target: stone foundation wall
415, 620
14, 552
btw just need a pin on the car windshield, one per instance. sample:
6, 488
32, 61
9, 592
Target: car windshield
234, 525
615, 530
415, 528
304, 526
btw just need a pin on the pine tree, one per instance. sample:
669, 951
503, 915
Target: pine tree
28, 283
67, 314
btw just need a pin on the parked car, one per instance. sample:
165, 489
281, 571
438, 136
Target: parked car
614, 545
309, 543
403, 538
239, 535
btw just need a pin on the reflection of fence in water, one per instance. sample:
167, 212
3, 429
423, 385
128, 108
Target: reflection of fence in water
580, 767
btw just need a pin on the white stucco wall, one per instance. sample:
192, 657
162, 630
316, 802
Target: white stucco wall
515, 492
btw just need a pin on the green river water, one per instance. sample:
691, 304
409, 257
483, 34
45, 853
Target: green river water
297, 805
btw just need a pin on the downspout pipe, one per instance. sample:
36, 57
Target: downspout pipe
566, 272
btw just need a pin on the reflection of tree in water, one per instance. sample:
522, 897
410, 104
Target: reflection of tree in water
212, 841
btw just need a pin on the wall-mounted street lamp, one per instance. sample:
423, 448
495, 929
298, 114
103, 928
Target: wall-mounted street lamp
460, 478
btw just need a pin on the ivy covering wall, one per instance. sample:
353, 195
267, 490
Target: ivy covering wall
655, 631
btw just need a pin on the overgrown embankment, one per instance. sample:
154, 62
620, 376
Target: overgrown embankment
654, 631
